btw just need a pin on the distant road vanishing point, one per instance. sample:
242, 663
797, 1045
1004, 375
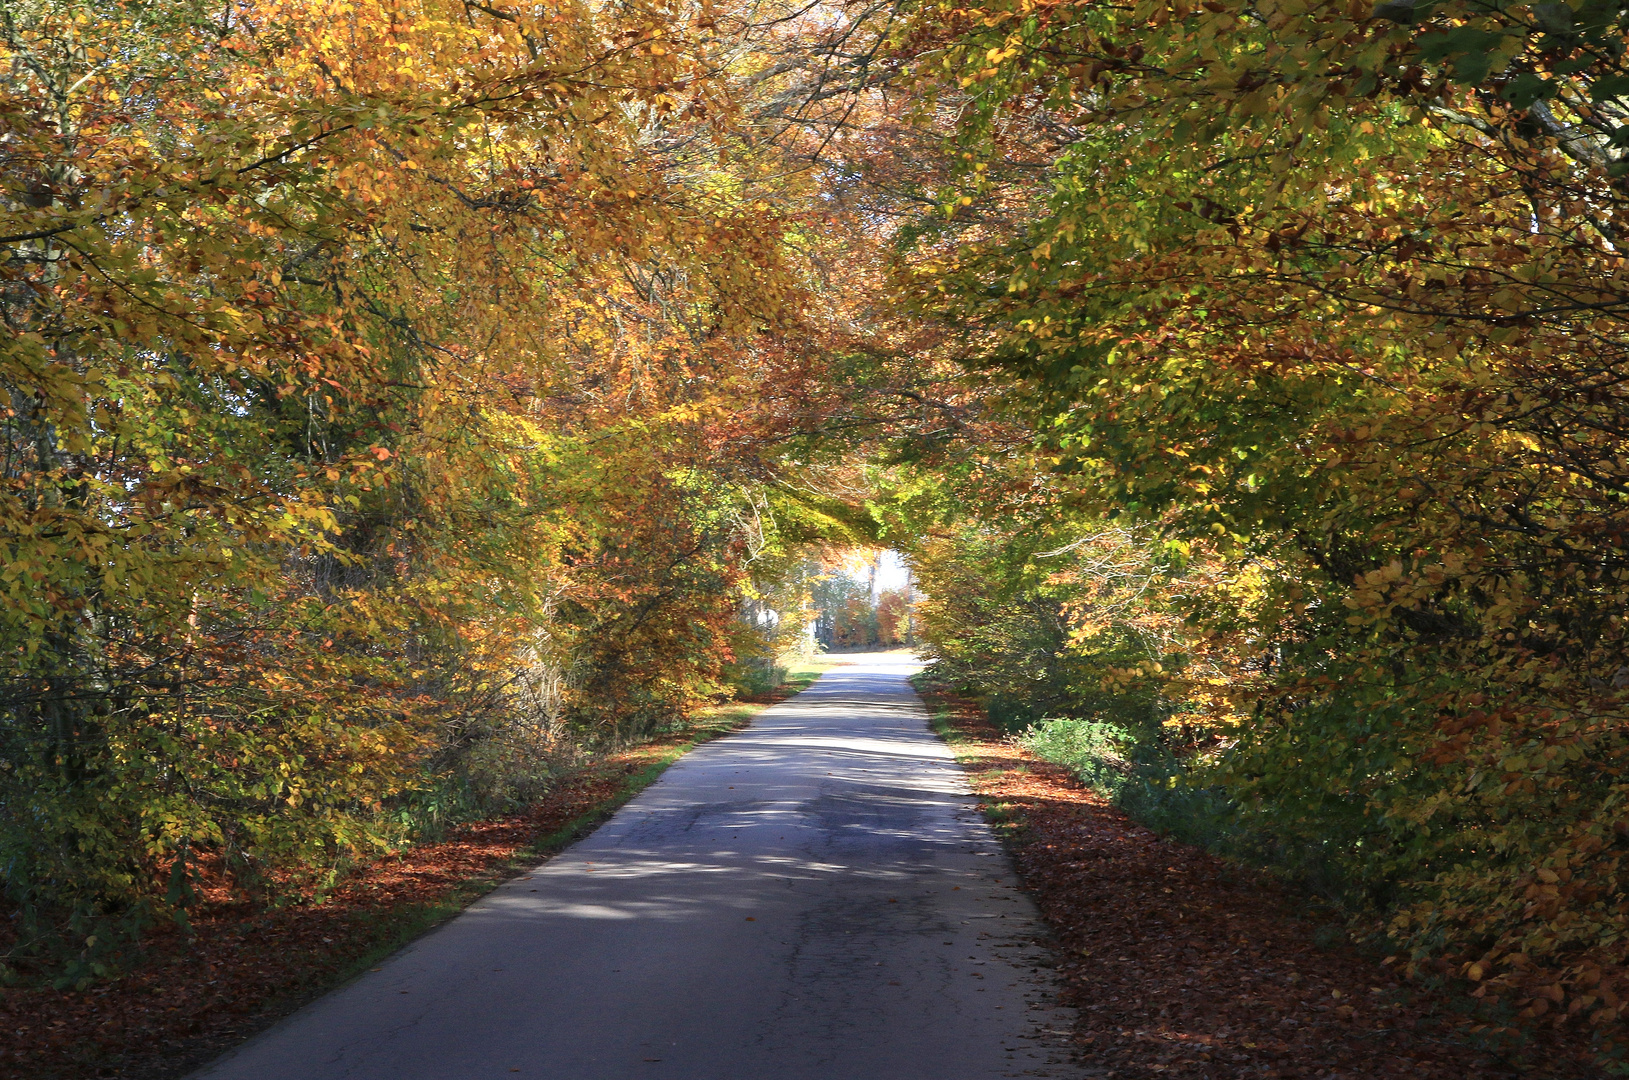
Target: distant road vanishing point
813, 898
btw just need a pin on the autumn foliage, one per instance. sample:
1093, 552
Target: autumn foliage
406, 395
382, 426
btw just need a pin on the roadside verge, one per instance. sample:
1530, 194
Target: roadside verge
1183, 965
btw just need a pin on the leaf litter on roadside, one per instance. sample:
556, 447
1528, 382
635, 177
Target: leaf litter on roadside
1182, 964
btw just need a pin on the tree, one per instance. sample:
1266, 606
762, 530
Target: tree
366, 364
1340, 296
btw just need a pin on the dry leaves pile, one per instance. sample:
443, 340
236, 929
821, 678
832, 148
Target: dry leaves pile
1183, 965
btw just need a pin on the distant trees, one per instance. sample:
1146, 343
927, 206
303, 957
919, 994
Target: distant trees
895, 618
854, 614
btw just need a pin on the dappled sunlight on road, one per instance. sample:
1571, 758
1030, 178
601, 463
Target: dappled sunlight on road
814, 897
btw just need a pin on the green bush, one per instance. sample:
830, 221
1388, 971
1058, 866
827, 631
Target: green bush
1176, 795
1143, 777
755, 678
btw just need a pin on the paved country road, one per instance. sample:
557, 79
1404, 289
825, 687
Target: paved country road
814, 897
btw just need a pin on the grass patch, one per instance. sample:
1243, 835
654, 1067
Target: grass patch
941, 713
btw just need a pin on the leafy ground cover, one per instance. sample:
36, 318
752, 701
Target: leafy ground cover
243, 968
1183, 964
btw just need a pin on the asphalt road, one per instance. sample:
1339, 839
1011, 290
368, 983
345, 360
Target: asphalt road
814, 897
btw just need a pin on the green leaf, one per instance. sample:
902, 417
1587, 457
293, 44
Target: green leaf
1465, 41
1527, 88
1473, 68
1398, 11
1553, 18
1612, 86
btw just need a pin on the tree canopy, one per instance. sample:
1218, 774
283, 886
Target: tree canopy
399, 392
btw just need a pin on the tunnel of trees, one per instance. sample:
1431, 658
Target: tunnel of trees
401, 395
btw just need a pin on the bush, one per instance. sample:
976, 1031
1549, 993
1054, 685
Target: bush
755, 678
1143, 777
